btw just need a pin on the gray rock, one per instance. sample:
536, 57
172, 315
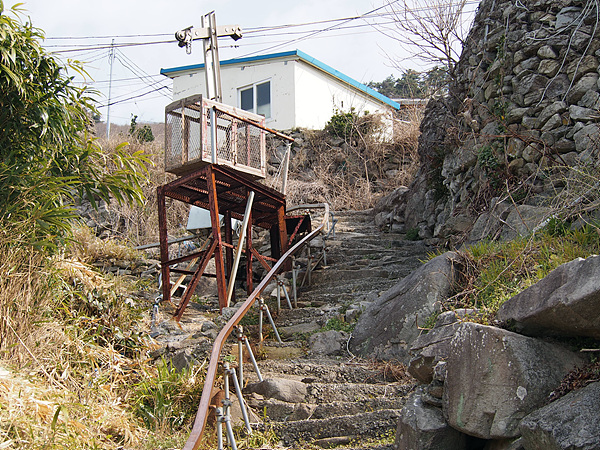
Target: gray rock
571, 422
495, 378
328, 343
567, 16
547, 52
581, 66
553, 122
566, 302
290, 391
557, 86
182, 360
422, 427
591, 100
579, 113
431, 348
490, 223
301, 328
389, 325
564, 145
515, 115
548, 67
552, 109
522, 220
586, 83
531, 153
584, 137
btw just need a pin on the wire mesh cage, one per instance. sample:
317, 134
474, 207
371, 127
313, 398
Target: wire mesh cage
190, 133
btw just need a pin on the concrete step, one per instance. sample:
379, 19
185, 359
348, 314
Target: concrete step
331, 370
280, 411
369, 424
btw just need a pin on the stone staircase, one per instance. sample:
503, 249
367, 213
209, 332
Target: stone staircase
333, 398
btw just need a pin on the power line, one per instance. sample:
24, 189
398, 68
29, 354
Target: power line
127, 63
132, 97
116, 80
318, 32
121, 36
254, 32
104, 46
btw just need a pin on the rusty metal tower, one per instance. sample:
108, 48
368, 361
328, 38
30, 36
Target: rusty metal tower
219, 154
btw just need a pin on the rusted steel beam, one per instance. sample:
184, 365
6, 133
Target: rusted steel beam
293, 235
258, 188
194, 282
260, 258
163, 240
216, 232
185, 258
283, 237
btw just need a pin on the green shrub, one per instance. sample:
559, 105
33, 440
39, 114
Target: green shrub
168, 399
48, 155
350, 125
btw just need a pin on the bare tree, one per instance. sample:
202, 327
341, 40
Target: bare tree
430, 30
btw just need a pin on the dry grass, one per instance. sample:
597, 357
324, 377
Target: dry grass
70, 358
354, 174
56, 404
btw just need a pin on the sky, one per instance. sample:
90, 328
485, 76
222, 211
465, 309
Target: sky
84, 30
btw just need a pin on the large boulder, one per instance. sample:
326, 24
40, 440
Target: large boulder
572, 422
422, 427
329, 342
566, 302
433, 347
388, 327
290, 391
495, 377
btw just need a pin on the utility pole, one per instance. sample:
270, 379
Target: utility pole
111, 60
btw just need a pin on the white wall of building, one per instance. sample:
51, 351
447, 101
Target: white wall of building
320, 95
302, 96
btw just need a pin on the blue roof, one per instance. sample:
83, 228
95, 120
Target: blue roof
302, 56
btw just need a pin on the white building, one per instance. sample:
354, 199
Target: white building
291, 89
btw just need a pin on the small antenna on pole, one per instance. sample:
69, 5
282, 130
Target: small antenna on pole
209, 34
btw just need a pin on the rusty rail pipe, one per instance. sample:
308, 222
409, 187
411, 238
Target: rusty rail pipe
193, 441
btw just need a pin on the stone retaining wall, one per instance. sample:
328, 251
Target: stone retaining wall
523, 107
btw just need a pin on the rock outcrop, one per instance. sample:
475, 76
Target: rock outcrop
390, 324
521, 112
566, 302
495, 377
571, 422
494, 385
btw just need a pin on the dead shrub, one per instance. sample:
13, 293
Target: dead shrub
354, 164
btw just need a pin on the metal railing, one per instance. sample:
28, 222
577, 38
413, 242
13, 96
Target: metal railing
193, 441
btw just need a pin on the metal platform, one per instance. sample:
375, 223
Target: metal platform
225, 191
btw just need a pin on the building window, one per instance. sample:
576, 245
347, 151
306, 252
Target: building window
257, 99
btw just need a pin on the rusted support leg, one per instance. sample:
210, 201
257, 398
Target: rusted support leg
187, 295
164, 244
216, 232
228, 250
283, 237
